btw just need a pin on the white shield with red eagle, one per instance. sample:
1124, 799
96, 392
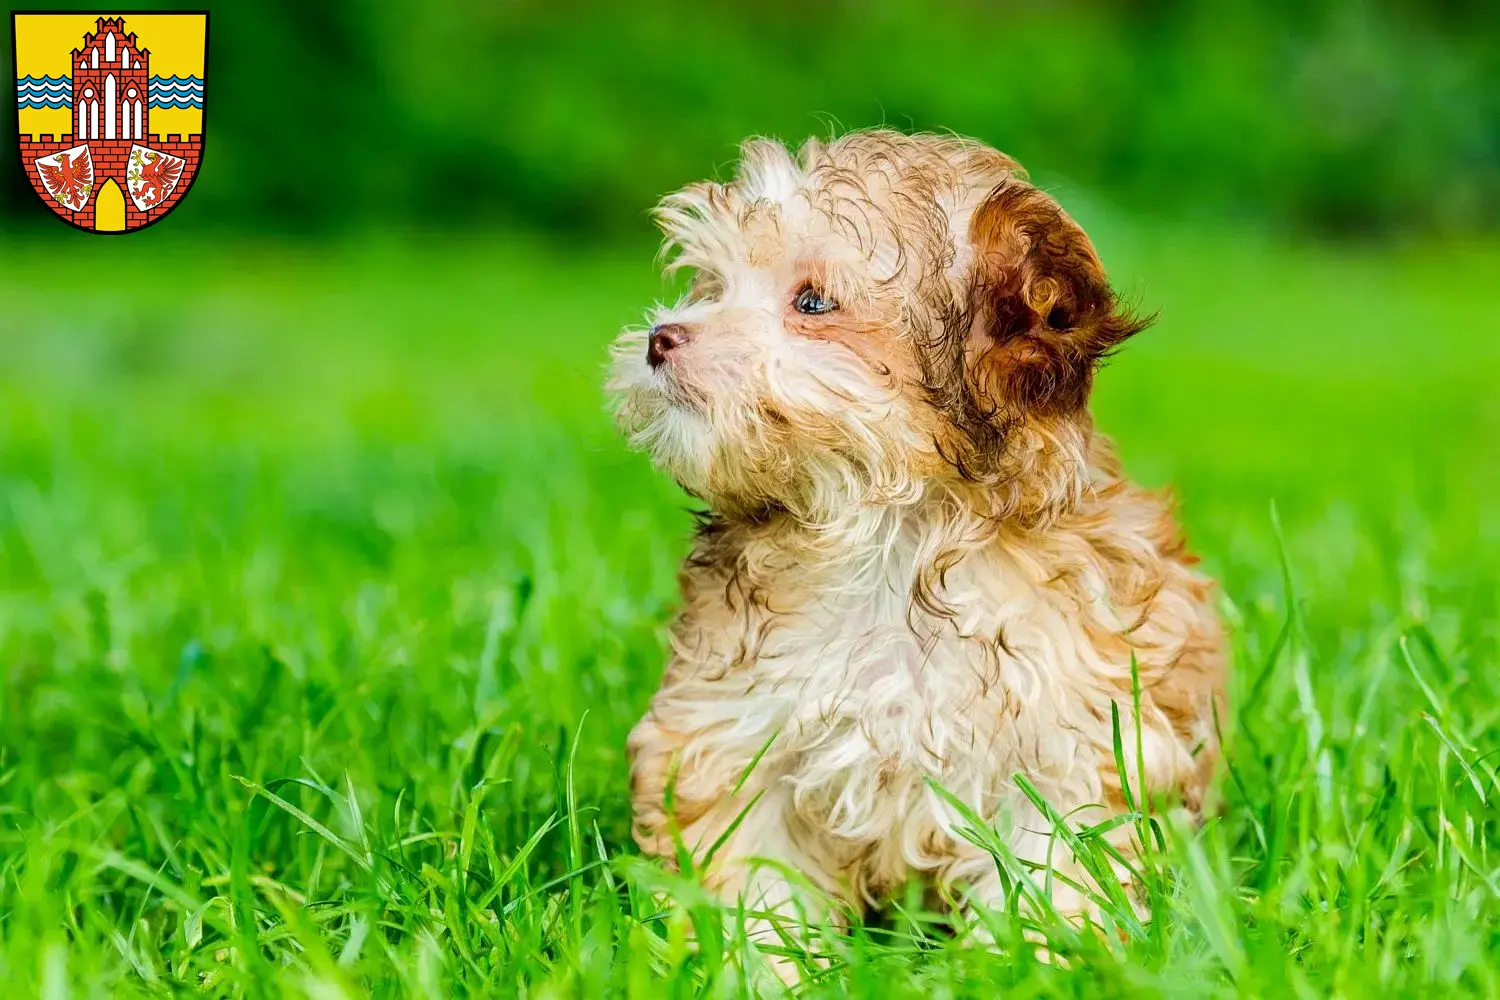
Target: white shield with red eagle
68, 176
152, 176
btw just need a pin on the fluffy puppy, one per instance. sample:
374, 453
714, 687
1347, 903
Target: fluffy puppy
920, 565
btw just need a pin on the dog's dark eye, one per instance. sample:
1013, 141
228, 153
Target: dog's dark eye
811, 302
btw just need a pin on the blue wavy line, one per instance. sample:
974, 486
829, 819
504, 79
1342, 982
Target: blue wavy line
57, 92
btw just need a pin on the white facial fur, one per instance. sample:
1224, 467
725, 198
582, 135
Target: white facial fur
764, 406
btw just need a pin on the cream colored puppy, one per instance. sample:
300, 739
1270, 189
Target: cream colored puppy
921, 563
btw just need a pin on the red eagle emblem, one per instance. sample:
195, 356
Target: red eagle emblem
68, 176
153, 175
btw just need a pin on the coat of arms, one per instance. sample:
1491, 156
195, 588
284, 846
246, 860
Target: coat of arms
110, 109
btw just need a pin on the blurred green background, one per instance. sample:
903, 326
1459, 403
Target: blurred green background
575, 115
313, 487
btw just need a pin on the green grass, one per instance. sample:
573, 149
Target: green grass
327, 597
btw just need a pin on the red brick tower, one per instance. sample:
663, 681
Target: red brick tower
110, 75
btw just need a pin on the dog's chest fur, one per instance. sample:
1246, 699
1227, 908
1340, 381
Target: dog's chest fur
863, 695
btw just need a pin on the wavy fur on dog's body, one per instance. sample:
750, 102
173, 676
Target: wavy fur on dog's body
921, 564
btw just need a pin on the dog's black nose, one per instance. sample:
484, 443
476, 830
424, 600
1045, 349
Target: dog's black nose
665, 339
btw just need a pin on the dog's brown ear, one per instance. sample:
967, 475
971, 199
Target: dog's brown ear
1043, 313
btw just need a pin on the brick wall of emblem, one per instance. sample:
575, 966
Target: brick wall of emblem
111, 158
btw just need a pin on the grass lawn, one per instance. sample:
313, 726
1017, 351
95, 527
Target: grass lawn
327, 597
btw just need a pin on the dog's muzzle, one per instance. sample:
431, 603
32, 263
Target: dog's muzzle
664, 340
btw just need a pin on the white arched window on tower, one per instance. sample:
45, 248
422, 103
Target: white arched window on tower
109, 47
109, 106
84, 132
131, 97
96, 57
93, 119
